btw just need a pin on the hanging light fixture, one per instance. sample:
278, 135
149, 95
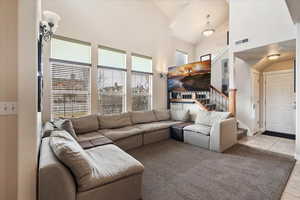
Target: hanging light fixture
274, 56
209, 30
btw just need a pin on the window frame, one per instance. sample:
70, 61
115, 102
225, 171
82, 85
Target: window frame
150, 74
68, 62
125, 70
182, 52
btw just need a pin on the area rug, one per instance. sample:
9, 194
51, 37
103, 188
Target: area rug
178, 171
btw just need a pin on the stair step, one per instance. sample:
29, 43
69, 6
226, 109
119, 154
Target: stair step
241, 132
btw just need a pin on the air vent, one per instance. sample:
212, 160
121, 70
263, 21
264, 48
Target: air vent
242, 41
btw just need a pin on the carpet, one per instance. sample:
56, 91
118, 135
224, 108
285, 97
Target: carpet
178, 171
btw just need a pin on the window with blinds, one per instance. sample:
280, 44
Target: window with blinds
111, 81
70, 75
181, 58
141, 83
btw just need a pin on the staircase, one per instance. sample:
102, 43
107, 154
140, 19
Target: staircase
210, 99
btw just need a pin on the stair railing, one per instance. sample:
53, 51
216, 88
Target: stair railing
210, 99
220, 99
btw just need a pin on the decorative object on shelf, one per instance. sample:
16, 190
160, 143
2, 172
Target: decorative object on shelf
48, 27
208, 31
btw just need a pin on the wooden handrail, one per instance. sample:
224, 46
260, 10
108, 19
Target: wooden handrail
218, 91
190, 101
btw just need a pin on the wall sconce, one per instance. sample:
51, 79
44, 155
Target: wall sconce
49, 25
163, 76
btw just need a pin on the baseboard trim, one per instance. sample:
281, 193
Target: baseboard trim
282, 135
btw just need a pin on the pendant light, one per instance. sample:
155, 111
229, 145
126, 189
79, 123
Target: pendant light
209, 30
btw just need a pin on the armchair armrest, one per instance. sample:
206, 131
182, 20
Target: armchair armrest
223, 135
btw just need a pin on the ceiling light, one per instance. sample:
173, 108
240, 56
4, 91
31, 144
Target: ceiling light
209, 30
273, 56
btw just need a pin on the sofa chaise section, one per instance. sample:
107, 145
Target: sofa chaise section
118, 176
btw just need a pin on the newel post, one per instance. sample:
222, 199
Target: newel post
232, 85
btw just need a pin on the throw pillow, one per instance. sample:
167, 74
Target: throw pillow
219, 116
47, 129
180, 115
85, 124
66, 124
203, 117
70, 153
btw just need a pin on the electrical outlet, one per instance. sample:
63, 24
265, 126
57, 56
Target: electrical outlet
8, 108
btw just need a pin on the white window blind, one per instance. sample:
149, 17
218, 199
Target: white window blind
181, 58
70, 50
111, 58
141, 64
70, 90
111, 82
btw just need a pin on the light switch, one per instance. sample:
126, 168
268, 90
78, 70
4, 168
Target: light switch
8, 108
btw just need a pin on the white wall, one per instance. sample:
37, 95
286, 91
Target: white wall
283, 65
135, 26
213, 44
28, 135
8, 92
262, 22
298, 93
243, 85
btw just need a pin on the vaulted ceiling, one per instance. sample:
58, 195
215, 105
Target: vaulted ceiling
188, 17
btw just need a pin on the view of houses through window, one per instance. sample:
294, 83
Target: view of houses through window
71, 75
141, 84
70, 78
111, 81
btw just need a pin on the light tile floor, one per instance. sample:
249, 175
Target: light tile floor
284, 146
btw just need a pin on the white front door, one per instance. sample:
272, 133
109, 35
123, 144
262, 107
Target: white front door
279, 94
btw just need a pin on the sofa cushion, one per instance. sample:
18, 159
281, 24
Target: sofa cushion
115, 120
180, 115
154, 126
120, 133
139, 117
198, 128
203, 117
85, 124
66, 124
89, 136
162, 115
70, 153
113, 164
218, 116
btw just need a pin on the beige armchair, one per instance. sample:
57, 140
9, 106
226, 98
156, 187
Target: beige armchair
213, 134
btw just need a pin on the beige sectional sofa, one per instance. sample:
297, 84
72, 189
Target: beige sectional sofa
84, 158
126, 131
